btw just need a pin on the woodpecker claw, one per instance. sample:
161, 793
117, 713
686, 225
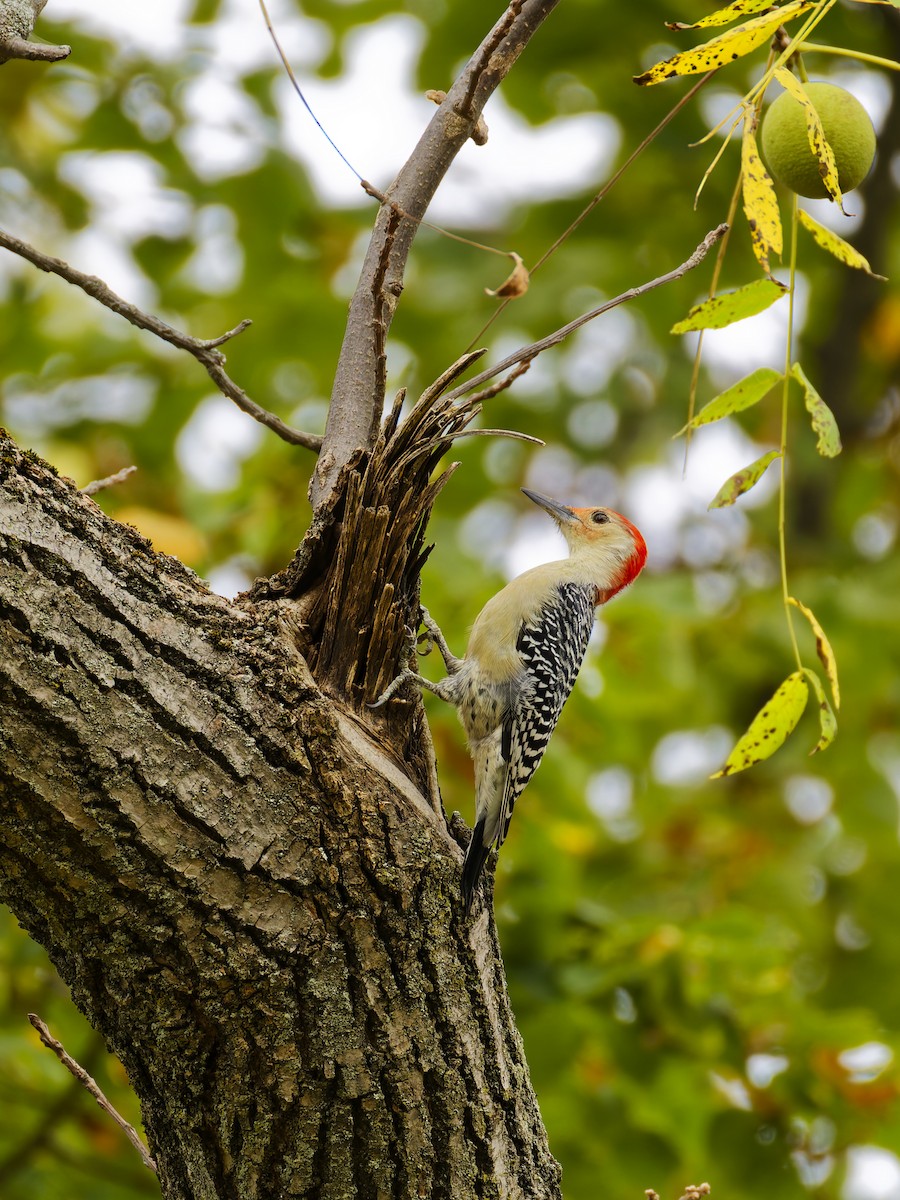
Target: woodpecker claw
436, 637
393, 687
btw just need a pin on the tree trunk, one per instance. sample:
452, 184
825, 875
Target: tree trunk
247, 894
243, 873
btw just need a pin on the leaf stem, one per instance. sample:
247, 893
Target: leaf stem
603, 192
873, 59
760, 86
698, 353
785, 393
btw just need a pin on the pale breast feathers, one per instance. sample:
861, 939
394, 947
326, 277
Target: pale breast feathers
551, 649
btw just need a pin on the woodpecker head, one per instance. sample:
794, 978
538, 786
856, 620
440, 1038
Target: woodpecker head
603, 536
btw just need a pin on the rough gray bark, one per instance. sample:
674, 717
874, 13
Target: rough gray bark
245, 891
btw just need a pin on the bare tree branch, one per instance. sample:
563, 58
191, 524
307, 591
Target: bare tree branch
358, 394
17, 18
527, 354
501, 385
206, 351
90, 1084
506, 433
98, 485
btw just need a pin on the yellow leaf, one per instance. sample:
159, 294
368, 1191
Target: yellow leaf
726, 47
760, 201
823, 649
818, 143
771, 726
836, 245
723, 16
827, 719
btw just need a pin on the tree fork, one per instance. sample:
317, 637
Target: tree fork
248, 899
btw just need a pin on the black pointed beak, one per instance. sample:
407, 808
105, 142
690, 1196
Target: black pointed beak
559, 512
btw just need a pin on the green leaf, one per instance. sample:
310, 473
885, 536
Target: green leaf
726, 47
724, 16
827, 719
724, 310
743, 394
823, 649
823, 422
771, 726
743, 480
835, 245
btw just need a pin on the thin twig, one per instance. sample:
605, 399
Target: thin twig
507, 433
13, 47
357, 397
83, 1078
500, 385
479, 135
98, 485
529, 353
603, 192
17, 18
206, 351
462, 433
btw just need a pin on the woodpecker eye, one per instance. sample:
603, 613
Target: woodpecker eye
599, 517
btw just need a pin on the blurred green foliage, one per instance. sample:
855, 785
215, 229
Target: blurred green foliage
690, 961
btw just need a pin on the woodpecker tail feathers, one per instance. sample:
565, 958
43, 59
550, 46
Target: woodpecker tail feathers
476, 857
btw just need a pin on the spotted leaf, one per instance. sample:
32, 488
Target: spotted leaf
746, 392
725, 48
760, 201
823, 422
823, 649
724, 16
724, 310
815, 134
827, 719
743, 480
835, 245
771, 726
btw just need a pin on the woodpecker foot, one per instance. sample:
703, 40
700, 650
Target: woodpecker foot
436, 637
405, 676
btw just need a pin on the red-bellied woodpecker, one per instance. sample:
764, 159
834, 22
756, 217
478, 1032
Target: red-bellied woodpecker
524, 652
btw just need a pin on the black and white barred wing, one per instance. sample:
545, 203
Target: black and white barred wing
552, 651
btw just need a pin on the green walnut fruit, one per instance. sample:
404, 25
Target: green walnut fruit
848, 130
